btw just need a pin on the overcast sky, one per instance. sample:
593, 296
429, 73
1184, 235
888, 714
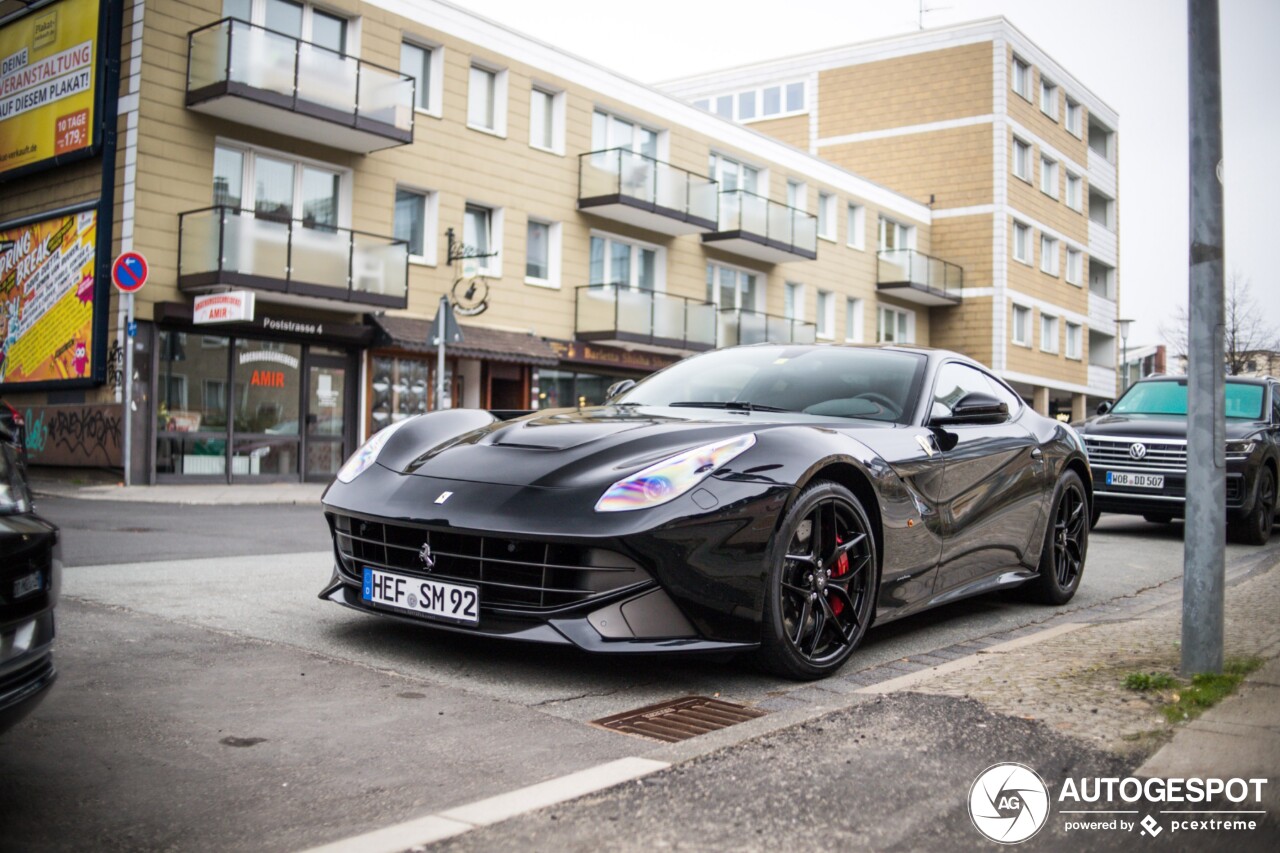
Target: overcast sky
1132, 54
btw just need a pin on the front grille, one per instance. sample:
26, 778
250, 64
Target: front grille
1113, 453
513, 574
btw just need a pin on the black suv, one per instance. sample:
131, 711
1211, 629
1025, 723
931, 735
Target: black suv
1138, 452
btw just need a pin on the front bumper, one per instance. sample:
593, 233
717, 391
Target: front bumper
679, 577
1241, 491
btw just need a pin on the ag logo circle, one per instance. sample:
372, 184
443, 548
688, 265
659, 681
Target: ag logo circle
1009, 803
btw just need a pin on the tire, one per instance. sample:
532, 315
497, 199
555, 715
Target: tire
1094, 515
1066, 542
822, 584
1255, 528
1158, 517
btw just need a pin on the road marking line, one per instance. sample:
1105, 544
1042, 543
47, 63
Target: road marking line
911, 679
460, 819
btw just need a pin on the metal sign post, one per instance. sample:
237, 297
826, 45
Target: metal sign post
129, 273
444, 329
1204, 560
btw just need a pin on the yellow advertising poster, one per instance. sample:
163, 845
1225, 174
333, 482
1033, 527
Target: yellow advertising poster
47, 63
46, 299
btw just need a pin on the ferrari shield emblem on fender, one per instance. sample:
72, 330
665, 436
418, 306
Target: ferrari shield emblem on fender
444, 496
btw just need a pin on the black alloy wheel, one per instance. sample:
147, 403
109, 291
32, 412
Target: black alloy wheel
1066, 541
821, 586
1255, 528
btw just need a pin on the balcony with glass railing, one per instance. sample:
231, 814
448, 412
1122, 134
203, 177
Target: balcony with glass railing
644, 319
741, 326
752, 226
916, 277
628, 187
228, 247
260, 77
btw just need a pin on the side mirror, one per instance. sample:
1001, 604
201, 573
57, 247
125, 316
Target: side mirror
975, 408
1104, 407
617, 389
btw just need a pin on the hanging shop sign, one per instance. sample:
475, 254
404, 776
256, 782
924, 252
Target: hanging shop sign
576, 352
234, 306
48, 74
47, 300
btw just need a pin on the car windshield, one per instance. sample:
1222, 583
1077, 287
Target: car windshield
1243, 401
828, 381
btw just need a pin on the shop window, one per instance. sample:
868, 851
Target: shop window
401, 388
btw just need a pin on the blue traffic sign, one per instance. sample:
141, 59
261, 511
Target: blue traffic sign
129, 272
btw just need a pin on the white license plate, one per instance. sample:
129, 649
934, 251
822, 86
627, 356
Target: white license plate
449, 601
28, 584
1140, 481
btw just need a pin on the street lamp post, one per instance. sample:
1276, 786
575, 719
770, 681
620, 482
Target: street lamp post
1123, 327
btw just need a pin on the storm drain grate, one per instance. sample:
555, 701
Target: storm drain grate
679, 719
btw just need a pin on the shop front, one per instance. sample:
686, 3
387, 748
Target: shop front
274, 399
583, 372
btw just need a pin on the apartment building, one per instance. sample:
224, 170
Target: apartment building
1016, 159
307, 181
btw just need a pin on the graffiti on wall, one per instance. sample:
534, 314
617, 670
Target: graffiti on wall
75, 435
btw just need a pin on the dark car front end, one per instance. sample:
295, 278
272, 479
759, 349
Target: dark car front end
30, 580
1139, 458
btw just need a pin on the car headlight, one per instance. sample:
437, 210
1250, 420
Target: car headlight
1241, 448
368, 454
671, 478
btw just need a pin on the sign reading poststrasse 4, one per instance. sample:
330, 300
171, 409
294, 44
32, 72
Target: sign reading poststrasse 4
48, 68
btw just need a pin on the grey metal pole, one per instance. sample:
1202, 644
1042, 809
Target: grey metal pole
1203, 567
128, 390
442, 333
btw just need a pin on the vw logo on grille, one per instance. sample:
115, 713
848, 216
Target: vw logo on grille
424, 554
1137, 451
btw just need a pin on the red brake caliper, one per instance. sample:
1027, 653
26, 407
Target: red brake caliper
842, 567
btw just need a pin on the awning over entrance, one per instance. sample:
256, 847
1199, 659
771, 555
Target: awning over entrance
412, 334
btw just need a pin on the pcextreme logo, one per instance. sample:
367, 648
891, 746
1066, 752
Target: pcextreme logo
1009, 803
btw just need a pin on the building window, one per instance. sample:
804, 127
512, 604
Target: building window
827, 227
1048, 98
761, 102
732, 175
1075, 124
487, 100
1022, 159
424, 65
608, 132
1048, 333
546, 120
729, 288
895, 235
1022, 326
853, 320
896, 326
627, 263
797, 195
279, 188
793, 301
482, 235
1073, 341
746, 105
415, 218
826, 314
1074, 193
1075, 266
1022, 78
542, 253
1048, 254
298, 20
857, 226
1049, 176
1021, 242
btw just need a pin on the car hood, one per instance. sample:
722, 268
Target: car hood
573, 448
1155, 426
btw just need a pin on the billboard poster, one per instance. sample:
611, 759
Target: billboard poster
48, 61
47, 299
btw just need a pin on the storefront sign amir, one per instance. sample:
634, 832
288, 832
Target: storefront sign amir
231, 307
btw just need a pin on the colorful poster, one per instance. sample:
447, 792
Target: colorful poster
46, 299
47, 74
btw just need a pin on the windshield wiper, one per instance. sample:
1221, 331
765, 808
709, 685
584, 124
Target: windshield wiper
732, 405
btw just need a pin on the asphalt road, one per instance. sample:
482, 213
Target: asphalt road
213, 703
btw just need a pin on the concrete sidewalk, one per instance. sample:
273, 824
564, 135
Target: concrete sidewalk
93, 488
